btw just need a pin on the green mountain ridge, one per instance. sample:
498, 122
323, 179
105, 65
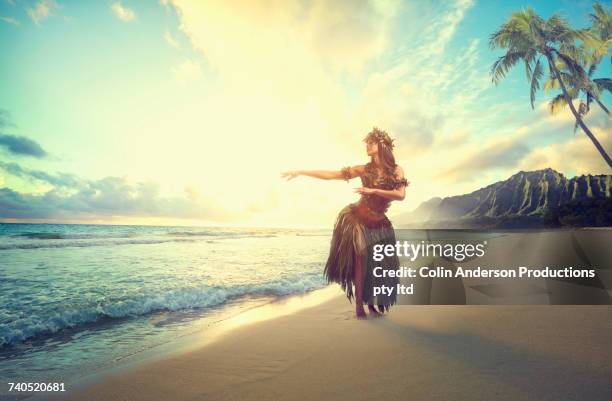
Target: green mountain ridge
526, 199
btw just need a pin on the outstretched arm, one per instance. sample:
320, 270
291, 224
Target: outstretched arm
344, 174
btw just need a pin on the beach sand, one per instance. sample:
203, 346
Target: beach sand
414, 353
429, 352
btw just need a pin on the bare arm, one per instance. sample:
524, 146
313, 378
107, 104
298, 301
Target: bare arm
343, 174
321, 174
393, 194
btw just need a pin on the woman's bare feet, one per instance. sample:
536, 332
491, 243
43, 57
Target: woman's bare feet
373, 311
360, 312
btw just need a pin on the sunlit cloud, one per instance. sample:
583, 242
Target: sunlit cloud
171, 40
42, 10
187, 71
504, 152
576, 155
122, 12
292, 97
573, 152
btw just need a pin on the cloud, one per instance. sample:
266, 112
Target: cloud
333, 28
576, 155
500, 153
187, 71
171, 40
313, 77
42, 11
18, 145
10, 20
62, 180
22, 146
306, 50
416, 98
342, 34
123, 13
74, 198
544, 140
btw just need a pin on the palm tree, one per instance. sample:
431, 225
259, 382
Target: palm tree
578, 85
528, 38
602, 23
578, 77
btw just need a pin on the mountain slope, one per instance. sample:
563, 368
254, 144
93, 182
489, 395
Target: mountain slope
523, 200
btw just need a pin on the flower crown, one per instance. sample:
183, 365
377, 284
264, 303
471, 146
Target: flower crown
379, 136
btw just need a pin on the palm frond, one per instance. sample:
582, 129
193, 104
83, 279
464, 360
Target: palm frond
516, 33
604, 84
509, 36
593, 90
557, 104
558, 30
601, 21
573, 93
591, 70
600, 48
535, 81
580, 54
528, 70
502, 65
572, 66
550, 84
589, 100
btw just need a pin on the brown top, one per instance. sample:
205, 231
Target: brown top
371, 208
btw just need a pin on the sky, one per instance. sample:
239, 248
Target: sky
185, 112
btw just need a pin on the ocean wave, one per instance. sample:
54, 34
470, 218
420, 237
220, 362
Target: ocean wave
195, 233
50, 322
221, 234
143, 241
85, 244
52, 235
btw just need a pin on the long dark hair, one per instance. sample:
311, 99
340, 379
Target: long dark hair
385, 149
385, 155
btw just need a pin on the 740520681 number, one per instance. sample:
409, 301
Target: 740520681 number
32, 387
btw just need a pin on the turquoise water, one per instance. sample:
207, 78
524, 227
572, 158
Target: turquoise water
77, 298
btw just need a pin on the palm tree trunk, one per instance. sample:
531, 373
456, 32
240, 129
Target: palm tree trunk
603, 107
586, 130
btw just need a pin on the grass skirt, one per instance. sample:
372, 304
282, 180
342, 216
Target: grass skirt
353, 239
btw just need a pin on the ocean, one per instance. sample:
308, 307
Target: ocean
75, 299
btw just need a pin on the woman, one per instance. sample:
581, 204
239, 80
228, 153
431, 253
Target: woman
363, 224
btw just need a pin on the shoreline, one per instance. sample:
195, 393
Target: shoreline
210, 331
